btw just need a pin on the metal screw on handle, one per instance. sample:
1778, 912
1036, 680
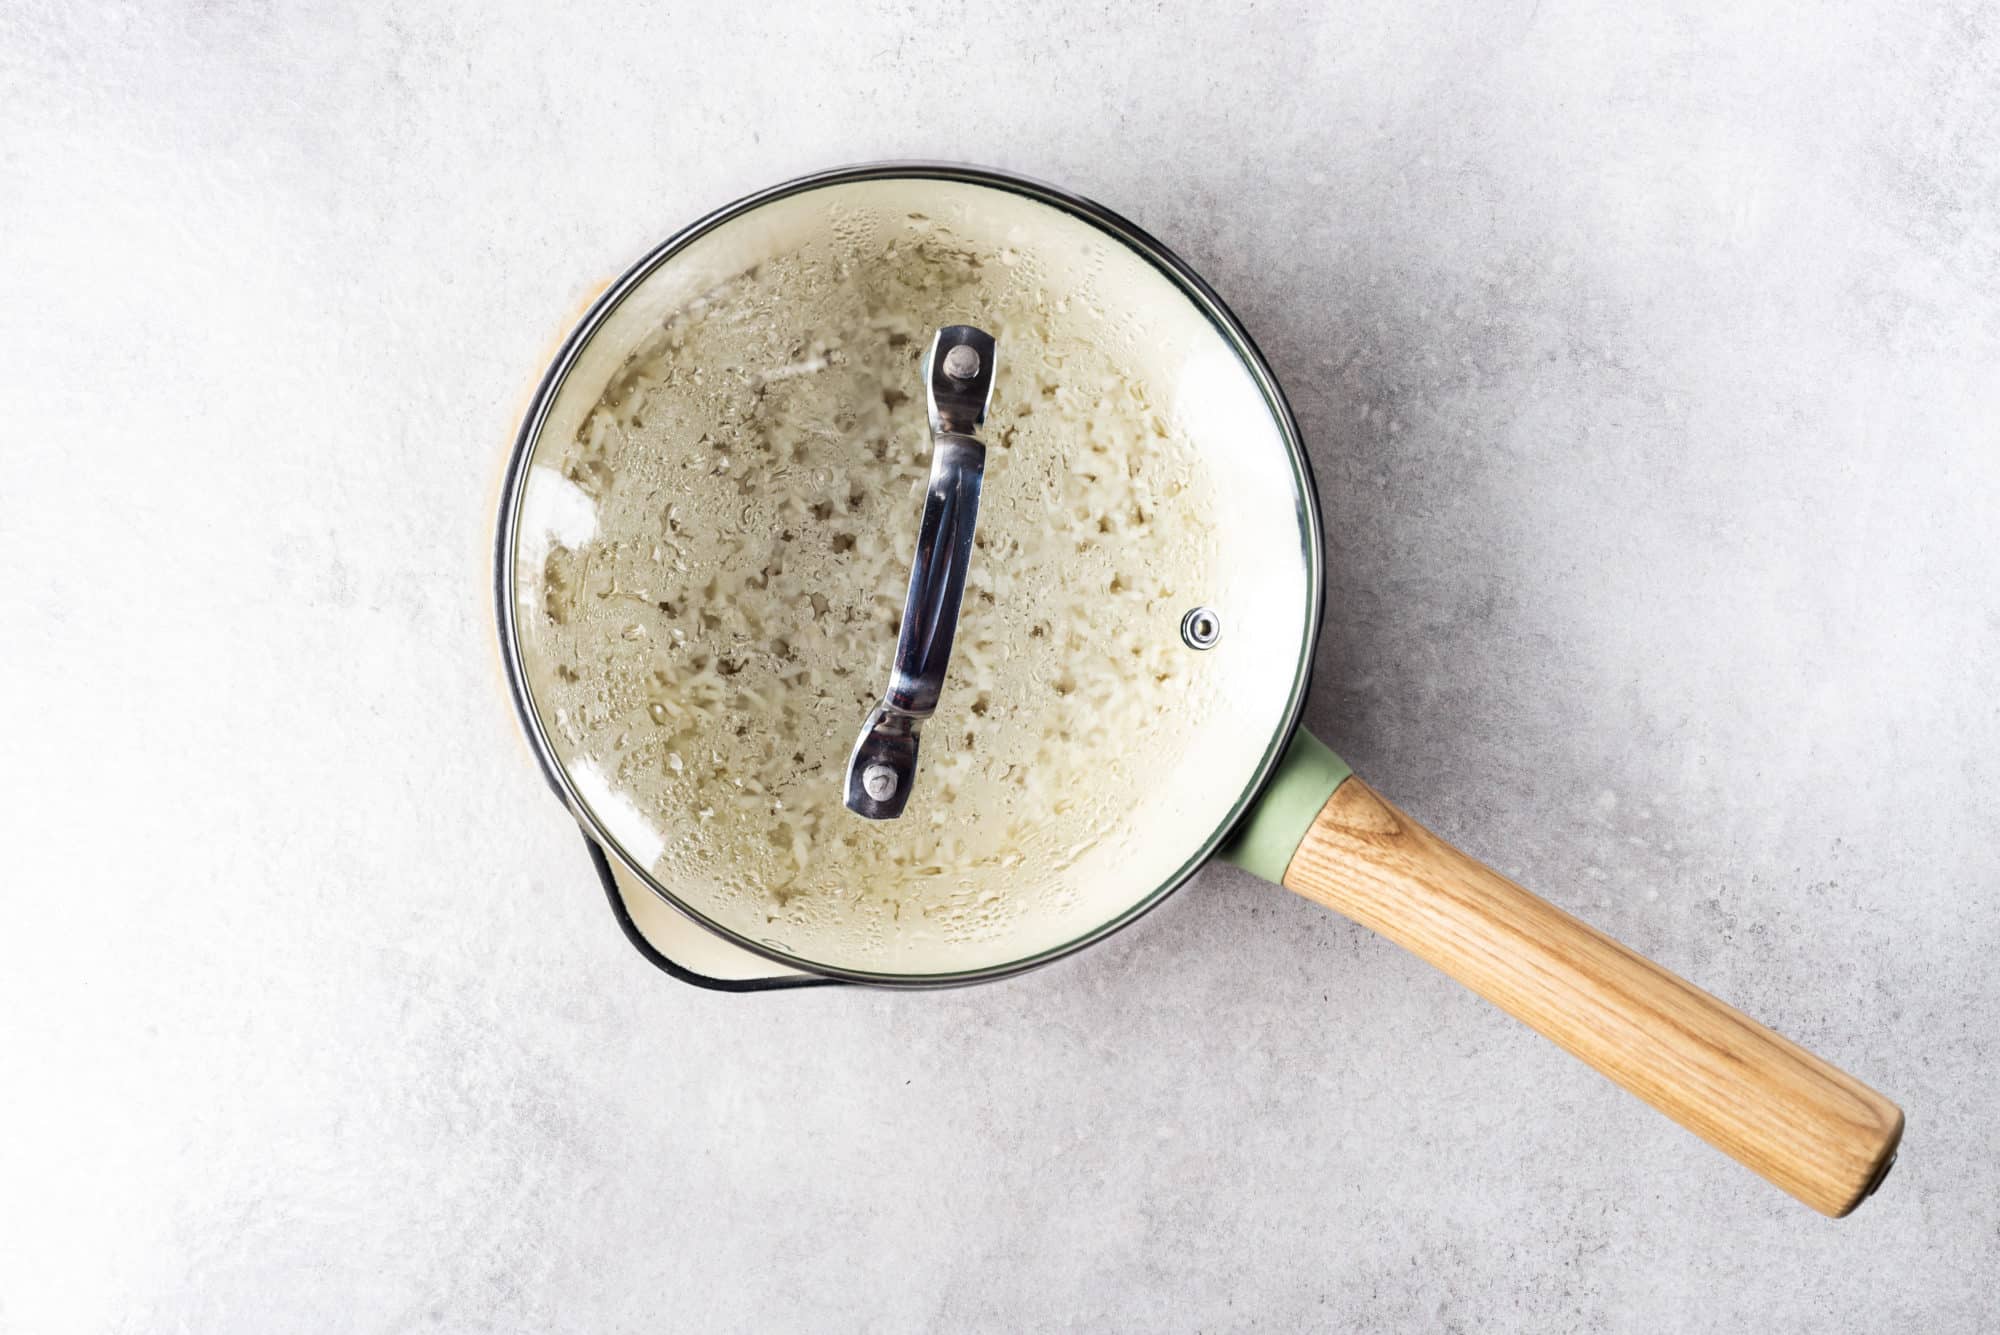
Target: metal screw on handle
879, 782
958, 378
962, 362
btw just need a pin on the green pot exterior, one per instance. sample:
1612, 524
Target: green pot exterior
1268, 835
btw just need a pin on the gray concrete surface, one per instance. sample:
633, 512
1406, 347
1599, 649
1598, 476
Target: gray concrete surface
1648, 361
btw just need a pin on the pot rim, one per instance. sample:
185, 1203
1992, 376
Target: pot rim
1177, 271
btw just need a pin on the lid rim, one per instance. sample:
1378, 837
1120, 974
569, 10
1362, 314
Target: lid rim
1156, 253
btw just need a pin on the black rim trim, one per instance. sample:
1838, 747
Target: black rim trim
681, 972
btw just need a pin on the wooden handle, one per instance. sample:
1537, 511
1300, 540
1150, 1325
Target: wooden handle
1817, 1132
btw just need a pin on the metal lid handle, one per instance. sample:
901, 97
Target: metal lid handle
958, 375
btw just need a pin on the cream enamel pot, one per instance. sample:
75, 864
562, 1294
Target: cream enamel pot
970, 435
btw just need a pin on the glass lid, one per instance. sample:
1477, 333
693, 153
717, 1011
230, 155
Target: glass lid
772, 566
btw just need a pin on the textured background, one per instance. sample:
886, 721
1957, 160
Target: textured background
1648, 363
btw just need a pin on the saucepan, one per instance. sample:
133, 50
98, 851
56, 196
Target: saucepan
912, 574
